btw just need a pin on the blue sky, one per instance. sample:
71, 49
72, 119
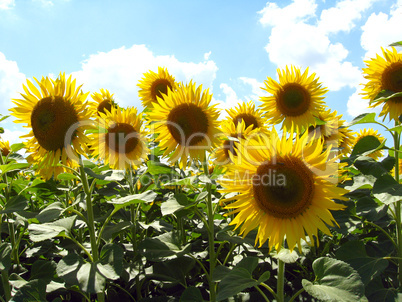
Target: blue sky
230, 47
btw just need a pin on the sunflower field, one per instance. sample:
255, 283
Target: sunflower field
279, 202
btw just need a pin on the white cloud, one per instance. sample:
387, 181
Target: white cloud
295, 12
119, 71
382, 29
298, 37
231, 96
13, 136
343, 15
256, 88
11, 80
7, 4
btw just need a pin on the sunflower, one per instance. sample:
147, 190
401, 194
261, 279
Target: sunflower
4, 148
53, 113
295, 100
186, 123
231, 133
384, 74
286, 188
103, 101
155, 85
332, 131
121, 141
370, 135
247, 112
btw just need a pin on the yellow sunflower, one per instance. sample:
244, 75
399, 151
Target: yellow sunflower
186, 123
333, 131
231, 134
4, 147
295, 100
53, 112
155, 85
121, 141
247, 112
366, 134
384, 74
286, 189
103, 101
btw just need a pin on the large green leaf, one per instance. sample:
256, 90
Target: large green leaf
34, 290
387, 190
163, 247
156, 168
112, 254
191, 294
44, 231
51, 212
147, 196
354, 253
13, 167
174, 270
170, 206
15, 204
90, 277
109, 175
367, 145
239, 278
5, 256
43, 269
363, 119
335, 281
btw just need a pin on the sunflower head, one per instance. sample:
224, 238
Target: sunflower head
294, 100
186, 123
231, 133
370, 135
103, 102
332, 131
285, 187
155, 85
55, 113
4, 148
121, 139
384, 73
247, 113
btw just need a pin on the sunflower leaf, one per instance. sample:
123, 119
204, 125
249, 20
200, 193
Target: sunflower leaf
387, 189
385, 95
13, 167
335, 281
399, 43
147, 196
363, 119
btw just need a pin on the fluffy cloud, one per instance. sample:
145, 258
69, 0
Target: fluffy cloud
6, 4
11, 80
382, 29
119, 71
300, 38
379, 30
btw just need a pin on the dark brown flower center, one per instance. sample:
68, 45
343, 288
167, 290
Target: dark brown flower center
188, 124
248, 120
284, 189
160, 87
293, 99
392, 77
50, 119
122, 138
105, 105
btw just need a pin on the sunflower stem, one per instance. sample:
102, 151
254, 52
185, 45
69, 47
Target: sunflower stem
280, 281
396, 137
211, 234
6, 284
91, 220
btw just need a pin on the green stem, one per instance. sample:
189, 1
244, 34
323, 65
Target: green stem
91, 220
383, 231
396, 137
82, 247
14, 247
211, 234
280, 281
270, 290
262, 293
296, 295
6, 284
